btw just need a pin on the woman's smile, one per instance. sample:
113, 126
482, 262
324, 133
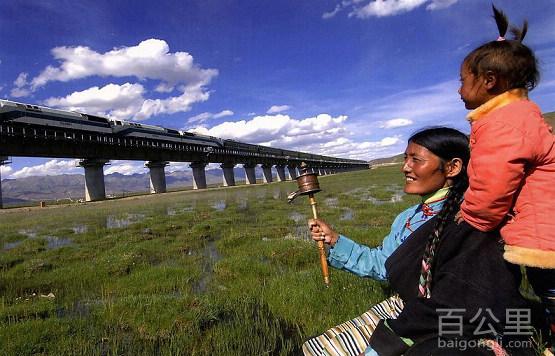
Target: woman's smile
423, 170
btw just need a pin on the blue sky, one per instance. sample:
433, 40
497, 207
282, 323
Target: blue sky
347, 78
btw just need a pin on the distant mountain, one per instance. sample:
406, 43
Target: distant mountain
387, 160
550, 118
72, 186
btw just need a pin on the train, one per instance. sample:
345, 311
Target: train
34, 115
39, 116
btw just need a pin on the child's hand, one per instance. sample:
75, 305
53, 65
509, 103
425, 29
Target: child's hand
458, 217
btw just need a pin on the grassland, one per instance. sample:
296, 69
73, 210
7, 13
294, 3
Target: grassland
224, 271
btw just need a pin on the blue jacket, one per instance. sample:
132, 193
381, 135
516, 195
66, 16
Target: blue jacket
370, 262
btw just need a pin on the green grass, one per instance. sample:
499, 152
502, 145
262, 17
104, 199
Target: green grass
182, 275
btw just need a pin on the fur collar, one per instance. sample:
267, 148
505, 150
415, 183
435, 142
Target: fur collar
499, 101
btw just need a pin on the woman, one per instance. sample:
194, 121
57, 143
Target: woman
424, 242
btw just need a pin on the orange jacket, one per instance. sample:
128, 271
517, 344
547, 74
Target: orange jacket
512, 178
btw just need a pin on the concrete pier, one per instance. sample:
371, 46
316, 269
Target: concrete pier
157, 176
250, 174
228, 175
199, 174
292, 170
267, 173
3, 160
94, 178
280, 169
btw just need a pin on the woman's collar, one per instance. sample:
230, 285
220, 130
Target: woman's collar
436, 196
496, 102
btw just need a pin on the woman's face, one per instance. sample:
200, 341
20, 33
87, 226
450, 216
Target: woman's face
423, 170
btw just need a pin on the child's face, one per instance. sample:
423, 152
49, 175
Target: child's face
473, 89
424, 173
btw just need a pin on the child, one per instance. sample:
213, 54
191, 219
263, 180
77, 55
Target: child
512, 166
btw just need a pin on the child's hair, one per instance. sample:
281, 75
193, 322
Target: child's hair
513, 63
447, 144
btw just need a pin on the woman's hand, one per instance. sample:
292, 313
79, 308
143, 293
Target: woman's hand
321, 231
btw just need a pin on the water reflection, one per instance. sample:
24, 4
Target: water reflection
397, 195
170, 211
242, 204
278, 194
395, 198
10, 245
211, 255
79, 229
297, 217
53, 242
331, 202
299, 232
114, 222
29, 233
79, 309
348, 214
219, 205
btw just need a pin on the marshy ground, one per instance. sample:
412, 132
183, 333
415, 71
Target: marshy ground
223, 271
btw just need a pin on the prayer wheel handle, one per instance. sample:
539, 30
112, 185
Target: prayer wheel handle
308, 185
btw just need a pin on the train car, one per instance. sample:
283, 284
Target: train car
33, 115
38, 116
236, 145
198, 139
137, 130
133, 129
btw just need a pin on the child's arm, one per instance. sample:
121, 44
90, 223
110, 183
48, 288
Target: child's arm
496, 171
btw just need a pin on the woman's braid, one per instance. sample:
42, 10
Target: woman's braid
450, 208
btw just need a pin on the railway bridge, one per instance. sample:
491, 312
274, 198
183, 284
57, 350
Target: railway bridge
32, 131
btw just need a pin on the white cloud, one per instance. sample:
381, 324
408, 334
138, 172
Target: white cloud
364, 150
277, 130
52, 167
126, 101
394, 123
20, 89
200, 118
5, 171
329, 15
164, 88
112, 99
223, 113
19, 92
277, 108
177, 167
321, 134
440, 4
125, 167
21, 80
149, 59
382, 8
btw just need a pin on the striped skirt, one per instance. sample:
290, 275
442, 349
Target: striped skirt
352, 337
